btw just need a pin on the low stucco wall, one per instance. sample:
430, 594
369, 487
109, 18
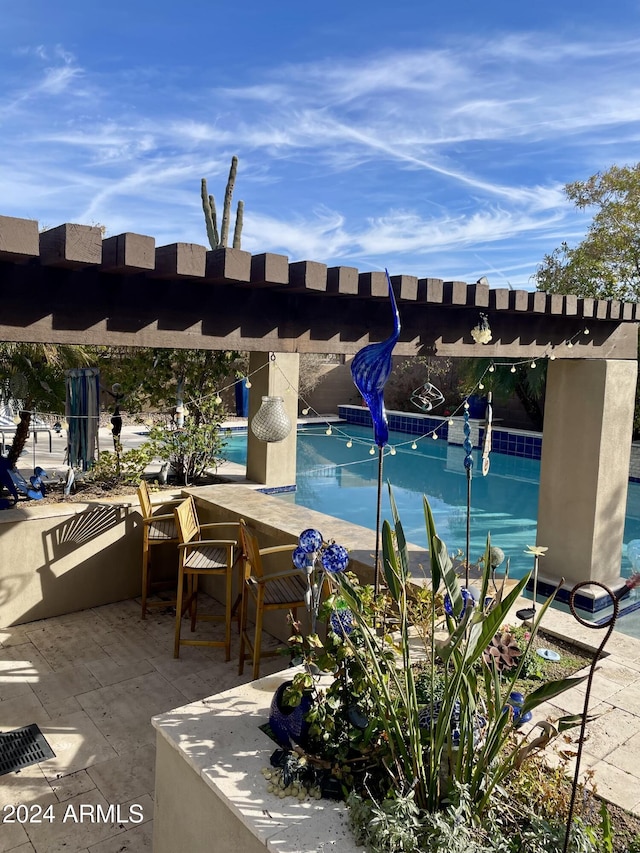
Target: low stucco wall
61, 558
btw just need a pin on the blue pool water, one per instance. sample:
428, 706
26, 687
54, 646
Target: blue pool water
341, 481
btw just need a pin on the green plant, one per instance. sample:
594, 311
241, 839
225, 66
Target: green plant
126, 467
219, 240
462, 742
195, 447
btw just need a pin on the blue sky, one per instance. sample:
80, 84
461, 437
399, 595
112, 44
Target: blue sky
431, 138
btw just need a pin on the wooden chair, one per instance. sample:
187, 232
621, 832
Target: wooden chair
203, 557
158, 528
284, 590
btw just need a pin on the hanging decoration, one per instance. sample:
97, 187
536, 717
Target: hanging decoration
481, 333
271, 423
486, 441
427, 397
468, 465
370, 370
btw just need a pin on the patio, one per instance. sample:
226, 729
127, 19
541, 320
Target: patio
92, 681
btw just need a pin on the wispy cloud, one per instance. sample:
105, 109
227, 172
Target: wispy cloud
415, 158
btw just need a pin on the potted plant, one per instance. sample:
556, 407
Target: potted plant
417, 753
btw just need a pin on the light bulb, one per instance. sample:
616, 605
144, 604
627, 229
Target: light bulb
247, 383
392, 451
513, 368
491, 368
414, 446
570, 344
349, 443
372, 451
434, 436
16, 419
533, 365
328, 431
450, 421
552, 357
481, 385
305, 411
217, 399
585, 331
466, 405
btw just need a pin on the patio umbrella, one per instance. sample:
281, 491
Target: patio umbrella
82, 412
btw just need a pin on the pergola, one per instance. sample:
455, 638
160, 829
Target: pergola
69, 285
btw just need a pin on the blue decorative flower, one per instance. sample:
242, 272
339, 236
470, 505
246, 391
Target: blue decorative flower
310, 540
341, 622
302, 559
335, 558
370, 370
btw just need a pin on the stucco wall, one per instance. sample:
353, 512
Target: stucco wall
61, 558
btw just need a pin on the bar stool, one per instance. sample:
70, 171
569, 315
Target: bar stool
202, 558
158, 528
283, 590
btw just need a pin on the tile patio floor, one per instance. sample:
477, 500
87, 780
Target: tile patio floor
92, 681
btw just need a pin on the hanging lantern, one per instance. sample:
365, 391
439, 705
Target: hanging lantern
481, 333
271, 423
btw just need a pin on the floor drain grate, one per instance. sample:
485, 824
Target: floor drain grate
23, 747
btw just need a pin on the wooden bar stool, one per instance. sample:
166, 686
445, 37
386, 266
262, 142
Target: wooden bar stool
203, 558
283, 590
158, 528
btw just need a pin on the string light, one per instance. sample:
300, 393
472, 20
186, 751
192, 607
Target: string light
533, 365
328, 431
569, 344
481, 385
217, 399
392, 451
349, 443
585, 331
414, 446
466, 404
247, 383
492, 368
451, 422
305, 411
372, 451
434, 436
513, 368
552, 357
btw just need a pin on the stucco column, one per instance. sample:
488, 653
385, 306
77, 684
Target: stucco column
584, 470
273, 463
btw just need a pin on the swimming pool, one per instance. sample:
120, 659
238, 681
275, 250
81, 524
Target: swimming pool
341, 481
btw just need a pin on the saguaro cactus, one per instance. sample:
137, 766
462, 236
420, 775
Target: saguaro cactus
221, 239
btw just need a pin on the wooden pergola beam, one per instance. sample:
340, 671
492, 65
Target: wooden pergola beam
68, 285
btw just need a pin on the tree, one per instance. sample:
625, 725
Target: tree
526, 383
33, 375
606, 264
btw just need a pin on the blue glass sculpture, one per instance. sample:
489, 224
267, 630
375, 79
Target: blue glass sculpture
467, 596
335, 558
370, 370
341, 621
310, 540
288, 724
302, 559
